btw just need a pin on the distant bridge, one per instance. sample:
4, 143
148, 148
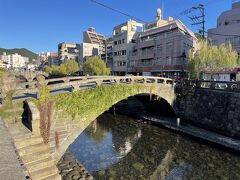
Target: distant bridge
28, 76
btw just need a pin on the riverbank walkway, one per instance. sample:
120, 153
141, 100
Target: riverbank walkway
10, 166
197, 132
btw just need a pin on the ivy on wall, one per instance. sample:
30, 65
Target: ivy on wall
89, 102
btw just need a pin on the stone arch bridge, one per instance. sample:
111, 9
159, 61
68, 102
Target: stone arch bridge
68, 129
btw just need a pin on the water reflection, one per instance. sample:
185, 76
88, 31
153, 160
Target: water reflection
119, 148
105, 143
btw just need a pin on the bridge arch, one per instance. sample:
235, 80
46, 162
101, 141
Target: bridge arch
68, 129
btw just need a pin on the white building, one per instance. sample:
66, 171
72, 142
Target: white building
124, 38
18, 61
4, 57
228, 23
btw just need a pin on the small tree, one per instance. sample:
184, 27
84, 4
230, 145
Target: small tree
213, 58
95, 66
62, 69
47, 69
71, 66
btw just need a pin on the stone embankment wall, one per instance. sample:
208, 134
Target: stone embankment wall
215, 110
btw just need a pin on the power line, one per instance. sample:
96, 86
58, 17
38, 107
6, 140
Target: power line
118, 11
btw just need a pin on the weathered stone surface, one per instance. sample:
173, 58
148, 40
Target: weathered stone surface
10, 167
70, 168
212, 109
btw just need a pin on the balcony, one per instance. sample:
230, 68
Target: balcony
146, 43
145, 63
133, 57
148, 54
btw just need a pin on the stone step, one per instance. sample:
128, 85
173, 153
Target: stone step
32, 149
23, 136
28, 142
28, 158
44, 173
53, 177
40, 164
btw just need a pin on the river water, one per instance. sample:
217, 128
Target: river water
118, 147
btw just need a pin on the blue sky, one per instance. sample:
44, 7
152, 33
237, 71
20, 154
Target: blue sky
40, 25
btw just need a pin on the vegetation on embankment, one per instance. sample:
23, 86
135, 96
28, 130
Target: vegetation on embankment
11, 112
88, 103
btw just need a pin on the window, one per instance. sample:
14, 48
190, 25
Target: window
169, 47
159, 48
123, 52
123, 41
235, 41
115, 42
115, 53
119, 41
168, 60
226, 23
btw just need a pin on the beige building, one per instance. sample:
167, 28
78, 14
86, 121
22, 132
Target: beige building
90, 36
161, 49
124, 38
88, 50
68, 51
228, 23
53, 59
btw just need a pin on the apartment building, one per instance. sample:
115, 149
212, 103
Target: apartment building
88, 50
161, 49
53, 59
43, 57
68, 51
124, 37
92, 37
228, 23
17, 61
109, 54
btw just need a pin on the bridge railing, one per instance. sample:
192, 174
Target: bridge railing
77, 82
213, 85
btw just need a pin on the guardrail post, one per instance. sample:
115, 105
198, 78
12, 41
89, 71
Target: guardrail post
99, 82
117, 81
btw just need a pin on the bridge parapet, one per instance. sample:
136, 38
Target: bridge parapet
77, 82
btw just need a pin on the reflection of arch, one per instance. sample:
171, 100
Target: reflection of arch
147, 157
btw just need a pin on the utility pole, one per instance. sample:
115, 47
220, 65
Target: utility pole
198, 19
